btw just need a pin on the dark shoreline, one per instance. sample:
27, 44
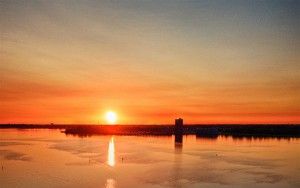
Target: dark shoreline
202, 130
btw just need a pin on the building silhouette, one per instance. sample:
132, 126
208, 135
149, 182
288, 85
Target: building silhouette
178, 131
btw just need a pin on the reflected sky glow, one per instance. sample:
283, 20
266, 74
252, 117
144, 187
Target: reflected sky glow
49, 158
111, 153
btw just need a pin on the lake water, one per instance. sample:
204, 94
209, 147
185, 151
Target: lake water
49, 158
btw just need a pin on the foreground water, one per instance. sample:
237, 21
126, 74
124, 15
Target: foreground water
49, 158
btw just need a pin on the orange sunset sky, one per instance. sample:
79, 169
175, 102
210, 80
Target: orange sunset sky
150, 61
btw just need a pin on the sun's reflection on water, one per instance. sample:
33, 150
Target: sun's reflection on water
110, 183
111, 153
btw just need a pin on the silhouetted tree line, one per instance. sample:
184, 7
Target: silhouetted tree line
235, 130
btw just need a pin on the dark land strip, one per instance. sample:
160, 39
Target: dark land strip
202, 130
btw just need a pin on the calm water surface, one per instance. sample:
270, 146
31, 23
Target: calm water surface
49, 158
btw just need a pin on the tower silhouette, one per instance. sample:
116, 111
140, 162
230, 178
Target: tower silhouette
178, 131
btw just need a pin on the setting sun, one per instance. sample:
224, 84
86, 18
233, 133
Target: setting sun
111, 117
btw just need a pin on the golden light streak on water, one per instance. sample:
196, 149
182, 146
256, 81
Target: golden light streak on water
111, 153
110, 183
